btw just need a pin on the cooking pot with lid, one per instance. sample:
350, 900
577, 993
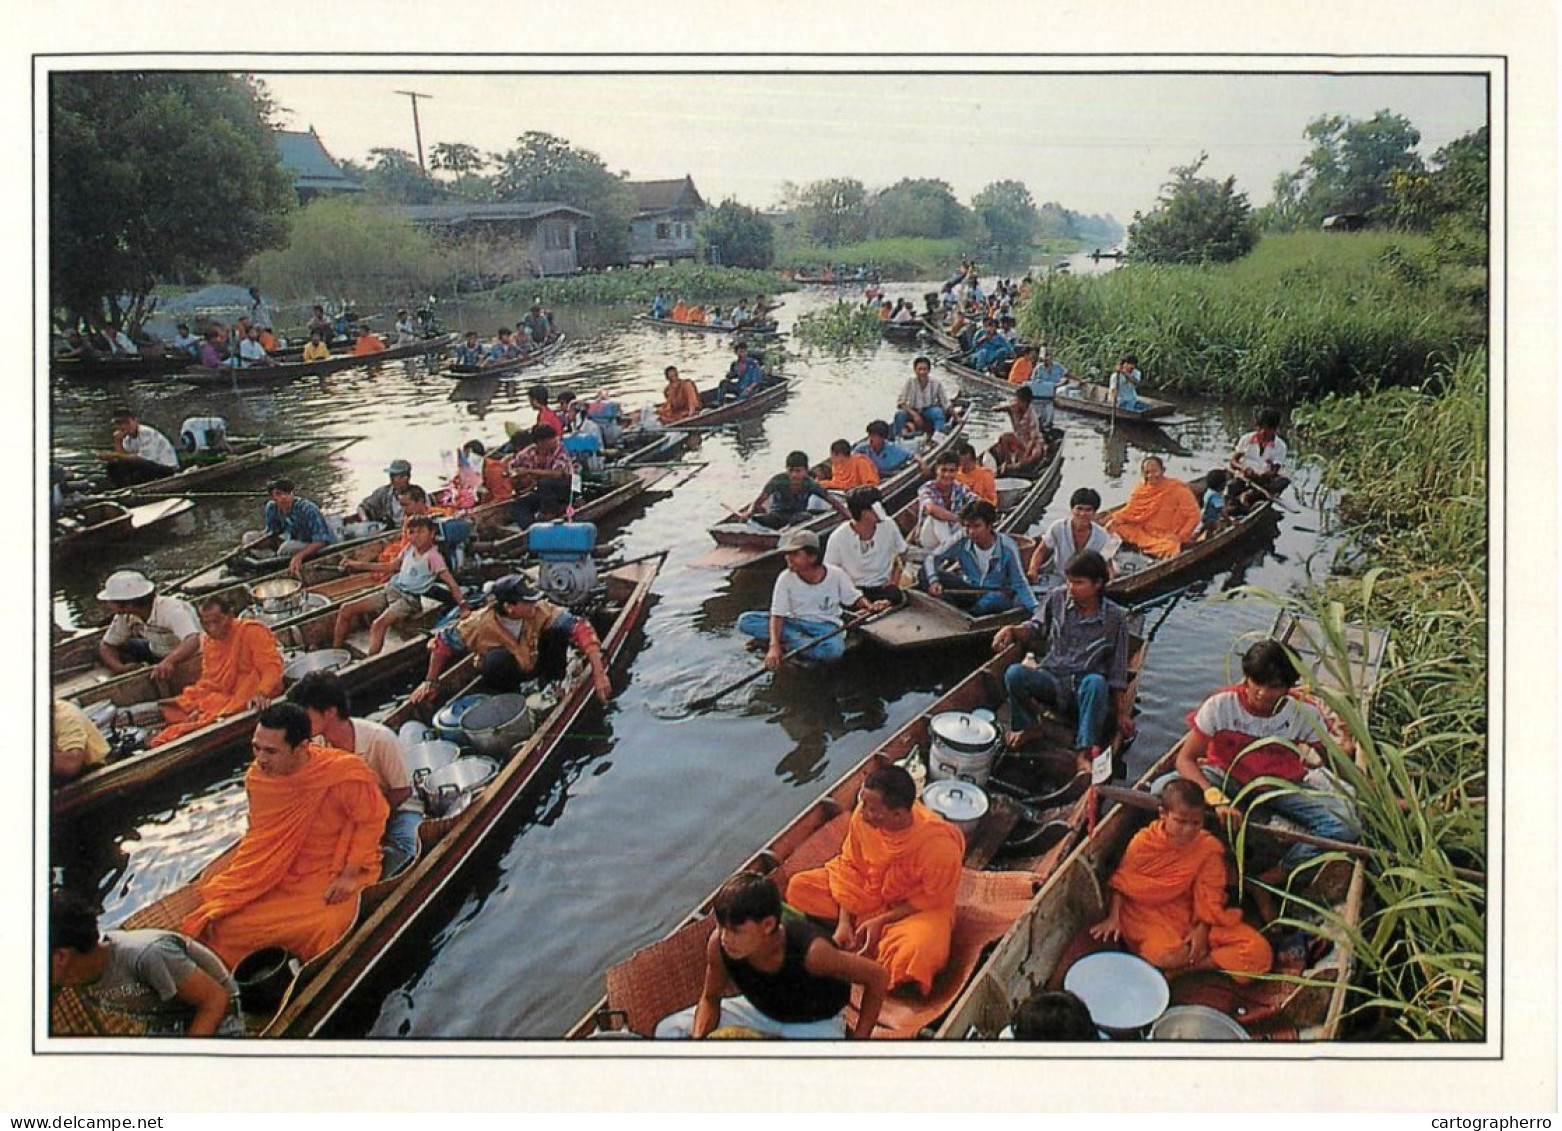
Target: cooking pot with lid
960, 803
425, 758
449, 790
1197, 1023
1125, 994
447, 720
962, 745
320, 660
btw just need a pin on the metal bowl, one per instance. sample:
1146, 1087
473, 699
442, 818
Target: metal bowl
1197, 1023
424, 759
320, 660
279, 595
1011, 491
447, 720
1125, 993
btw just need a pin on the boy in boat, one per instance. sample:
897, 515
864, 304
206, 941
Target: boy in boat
744, 377
975, 476
790, 979
537, 397
1213, 509
940, 502
1065, 537
1082, 639
140, 454
316, 816
503, 350
806, 604
1168, 896
543, 475
849, 469
982, 559
315, 349
367, 343
681, 399
416, 572
297, 522
923, 404
886, 455
332, 724
469, 354
1125, 384
1043, 382
891, 891
149, 628
154, 983
184, 341
1259, 742
1054, 1015
1256, 464
789, 498
868, 549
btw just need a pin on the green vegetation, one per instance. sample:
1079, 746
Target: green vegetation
153, 177
844, 326
737, 236
1008, 216
901, 258
1304, 315
685, 279
340, 246
1197, 220
1411, 470
1350, 170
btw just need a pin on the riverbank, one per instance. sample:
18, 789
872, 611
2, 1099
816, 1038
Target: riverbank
688, 280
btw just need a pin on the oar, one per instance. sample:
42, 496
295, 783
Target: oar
706, 702
1139, 799
1275, 499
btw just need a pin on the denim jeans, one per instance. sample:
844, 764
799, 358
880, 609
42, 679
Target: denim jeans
795, 633
1085, 696
932, 414
400, 843
998, 601
1317, 812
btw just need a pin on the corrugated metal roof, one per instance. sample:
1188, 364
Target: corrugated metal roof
311, 166
467, 213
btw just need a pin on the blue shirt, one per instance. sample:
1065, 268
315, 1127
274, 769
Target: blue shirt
750, 379
304, 523
1004, 570
891, 458
469, 357
1045, 377
1214, 506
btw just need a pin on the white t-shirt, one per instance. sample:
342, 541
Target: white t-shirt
1256, 457
377, 745
419, 571
170, 623
865, 563
794, 597
1058, 536
150, 444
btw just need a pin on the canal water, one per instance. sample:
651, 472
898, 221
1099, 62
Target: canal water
651, 806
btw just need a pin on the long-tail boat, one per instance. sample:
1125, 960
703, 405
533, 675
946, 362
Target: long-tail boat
504, 368
242, 455
716, 413
261, 374
761, 329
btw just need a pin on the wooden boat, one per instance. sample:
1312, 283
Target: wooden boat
100, 521
715, 414
1050, 935
465, 372
901, 331
243, 455
925, 619
741, 543
390, 909
666, 976
941, 337
761, 329
1140, 577
614, 489
258, 374
1073, 396
117, 368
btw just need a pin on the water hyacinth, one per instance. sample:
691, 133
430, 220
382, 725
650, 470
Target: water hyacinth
688, 280
843, 326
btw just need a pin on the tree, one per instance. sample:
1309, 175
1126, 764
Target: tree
1007, 213
918, 208
457, 157
394, 175
545, 167
156, 176
1198, 220
1456, 186
835, 211
740, 236
344, 246
1349, 170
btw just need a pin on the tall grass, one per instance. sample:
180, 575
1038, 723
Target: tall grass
685, 279
1304, 315
1412, 471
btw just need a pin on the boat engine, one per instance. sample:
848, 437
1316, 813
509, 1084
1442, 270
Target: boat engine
567, 574
202, 434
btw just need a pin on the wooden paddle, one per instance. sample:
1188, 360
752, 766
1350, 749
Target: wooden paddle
1275, 499
705, 702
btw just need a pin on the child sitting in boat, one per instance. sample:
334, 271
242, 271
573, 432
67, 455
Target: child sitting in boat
1168, 897
1214, 509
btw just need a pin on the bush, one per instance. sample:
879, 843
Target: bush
344, 248
639, 284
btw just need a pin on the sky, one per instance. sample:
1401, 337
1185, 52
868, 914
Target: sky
1095, 142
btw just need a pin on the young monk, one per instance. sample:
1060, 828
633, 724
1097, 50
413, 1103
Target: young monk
1161, 514
1168, 900
974, 476
848, 469
891, 891
681, 400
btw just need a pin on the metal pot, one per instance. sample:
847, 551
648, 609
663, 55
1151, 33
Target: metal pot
449, 790
263, 979
1197, 1023
962, 746
497, 725
426, 758
541, 702
279, 595
320, 660
1125, 994
1010, 492
447, 720
960, 803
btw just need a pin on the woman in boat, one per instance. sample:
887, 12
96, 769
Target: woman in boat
1065, 537
1159, 517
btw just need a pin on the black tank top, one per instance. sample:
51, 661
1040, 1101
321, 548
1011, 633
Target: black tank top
791, 994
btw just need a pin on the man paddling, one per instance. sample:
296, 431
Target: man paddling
806, 604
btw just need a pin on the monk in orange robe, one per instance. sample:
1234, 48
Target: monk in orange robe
1023, 366
1159, 516
682, 398
680, 311
316, 815
241, 669
892, 889
977, 478
1168, 900
849, 469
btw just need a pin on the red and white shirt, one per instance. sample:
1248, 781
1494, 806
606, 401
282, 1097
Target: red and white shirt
1229, 729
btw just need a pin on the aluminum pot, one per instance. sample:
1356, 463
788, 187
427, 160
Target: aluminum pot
447, 720
498, 725
279, 595
962, 745
320, 660
1125, 994
425, 758
1197, 1023
960, 803
1010, 492
449, 790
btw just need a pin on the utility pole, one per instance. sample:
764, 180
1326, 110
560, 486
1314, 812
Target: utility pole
417, 129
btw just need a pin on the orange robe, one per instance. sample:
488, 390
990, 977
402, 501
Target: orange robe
875, 870
1020, 371
303, 830
682, 403
1158, 519
856, 470
1166, 889
680, 311
981, 482
368, 344
235, 669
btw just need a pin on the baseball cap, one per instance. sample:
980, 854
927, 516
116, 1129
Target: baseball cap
799, 540
399, 467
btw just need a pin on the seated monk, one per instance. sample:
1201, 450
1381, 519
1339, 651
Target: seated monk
892, 889
316, 815
849, 469
1168, 900
682, 398
1159, 516
241, 669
